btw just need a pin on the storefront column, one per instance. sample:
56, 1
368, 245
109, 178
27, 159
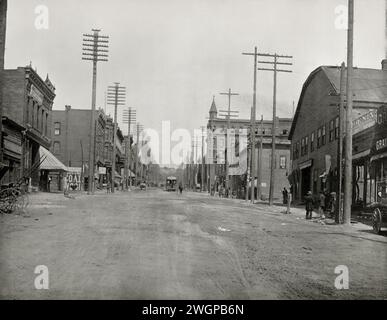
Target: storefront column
365, 181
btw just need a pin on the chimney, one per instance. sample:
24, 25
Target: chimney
384, 64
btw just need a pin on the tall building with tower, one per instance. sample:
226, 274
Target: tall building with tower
217, 126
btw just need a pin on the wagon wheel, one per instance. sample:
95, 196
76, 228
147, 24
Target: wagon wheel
7, 200
19, 202
377, 221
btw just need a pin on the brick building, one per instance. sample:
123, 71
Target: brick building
216, 171
27, 103
314, 133
70, 142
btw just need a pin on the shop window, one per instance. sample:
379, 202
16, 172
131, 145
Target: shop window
57, 128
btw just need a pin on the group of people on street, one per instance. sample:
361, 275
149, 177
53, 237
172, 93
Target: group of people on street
223, 191
325, 203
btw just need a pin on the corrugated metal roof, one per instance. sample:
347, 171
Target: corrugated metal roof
368, 84
49, 161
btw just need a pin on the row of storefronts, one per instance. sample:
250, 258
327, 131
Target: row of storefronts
54, 176
317, 127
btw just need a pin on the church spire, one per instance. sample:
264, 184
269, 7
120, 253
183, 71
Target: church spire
213, 110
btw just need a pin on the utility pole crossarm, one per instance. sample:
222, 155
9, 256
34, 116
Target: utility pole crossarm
278, 70
95, 48
275, 70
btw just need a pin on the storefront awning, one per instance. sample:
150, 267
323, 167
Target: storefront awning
379, 156
361, 154
305, 164
49, 161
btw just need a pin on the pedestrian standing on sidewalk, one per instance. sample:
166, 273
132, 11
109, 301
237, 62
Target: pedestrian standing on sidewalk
284, 196
309, 205
321, 204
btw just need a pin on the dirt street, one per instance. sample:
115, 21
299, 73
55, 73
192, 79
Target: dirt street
158, 245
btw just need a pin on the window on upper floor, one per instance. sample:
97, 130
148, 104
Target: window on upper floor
56, 147
298, 149
56, 128
306, 145
32, 113
42, 122
282, 163
312, 142
37, 116
337, 127
302, 146
331, 130
319, 137
46, 124
323, 135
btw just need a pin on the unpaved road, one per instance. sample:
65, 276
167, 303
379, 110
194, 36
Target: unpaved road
158, 245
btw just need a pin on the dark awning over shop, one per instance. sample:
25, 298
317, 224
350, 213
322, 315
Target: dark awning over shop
49, 161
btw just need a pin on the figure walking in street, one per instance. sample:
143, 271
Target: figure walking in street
220, 191
180, 188
284, 196
309, 205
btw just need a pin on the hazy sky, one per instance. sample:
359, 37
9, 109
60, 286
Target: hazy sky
174, 55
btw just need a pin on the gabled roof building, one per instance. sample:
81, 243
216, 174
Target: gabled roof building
314, 133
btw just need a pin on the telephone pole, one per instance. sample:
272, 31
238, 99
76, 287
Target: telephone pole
275, 63
192, 169
248, 158
129, 117
252, 120
115, 96
348, 135
95, 48
339, 217
228, 117
138, 131
259, 178
196, 166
